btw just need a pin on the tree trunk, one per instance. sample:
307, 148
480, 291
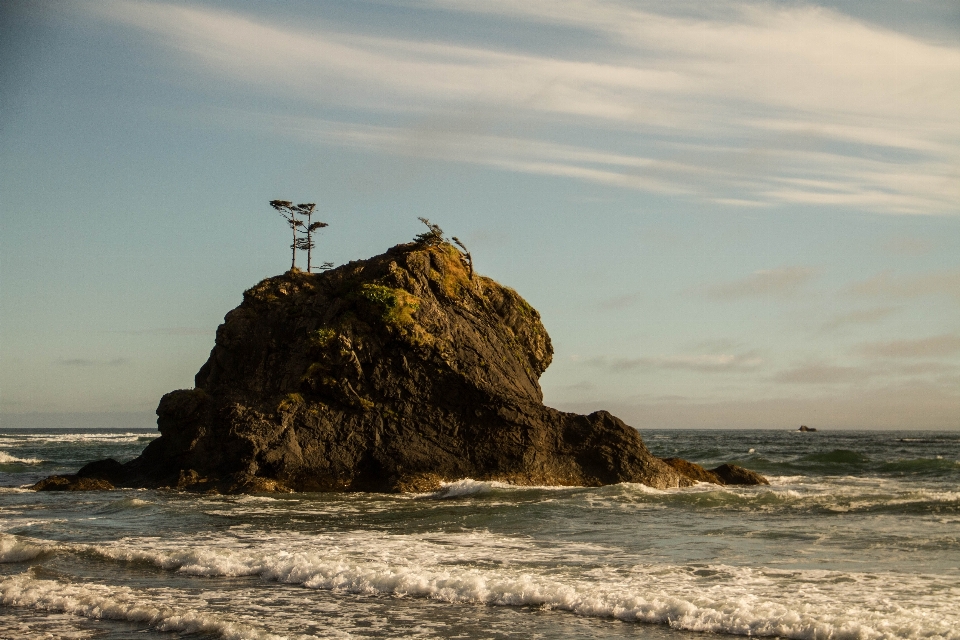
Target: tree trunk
309, 217
293, 247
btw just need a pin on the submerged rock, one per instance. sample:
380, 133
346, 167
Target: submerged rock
732, 474
724, 474
394, 373
693, 471
72, 483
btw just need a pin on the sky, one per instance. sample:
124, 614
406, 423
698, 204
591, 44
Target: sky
729, 214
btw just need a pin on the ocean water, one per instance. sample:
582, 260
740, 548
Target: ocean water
858, 536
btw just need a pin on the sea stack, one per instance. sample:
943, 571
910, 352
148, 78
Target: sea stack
394, 373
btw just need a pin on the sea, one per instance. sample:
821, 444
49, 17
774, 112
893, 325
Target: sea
857, 536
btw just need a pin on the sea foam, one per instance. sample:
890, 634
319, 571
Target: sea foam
100, 601
487, 569
6, 458
13, 549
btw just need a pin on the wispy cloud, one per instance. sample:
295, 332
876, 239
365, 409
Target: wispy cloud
703, 362
781, 282
880, 371
859, 317
88, 362
620, 302
821, 373
172, 331
907, 246
752, 104
894, 406
944, 283
931, 347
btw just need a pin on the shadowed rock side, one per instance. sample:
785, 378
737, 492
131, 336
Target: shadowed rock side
388, 374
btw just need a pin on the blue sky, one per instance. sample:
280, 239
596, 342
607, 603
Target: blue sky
729, 214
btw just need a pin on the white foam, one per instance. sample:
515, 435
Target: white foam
99, 601
489, 569
6, 458
13, 549
461, 488
9, 438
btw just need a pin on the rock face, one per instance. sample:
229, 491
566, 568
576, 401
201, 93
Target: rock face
388, 374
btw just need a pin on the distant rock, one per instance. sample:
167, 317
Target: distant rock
394, 373
804, 427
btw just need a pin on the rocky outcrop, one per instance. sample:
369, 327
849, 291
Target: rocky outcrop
724, 474
72, 483
732, 474
388, 374
693, 471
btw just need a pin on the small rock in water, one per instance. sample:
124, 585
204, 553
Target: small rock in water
72, 483
733, 474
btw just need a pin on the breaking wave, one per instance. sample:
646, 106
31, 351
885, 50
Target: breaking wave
491, 570
13, 549
119, 603
6, 458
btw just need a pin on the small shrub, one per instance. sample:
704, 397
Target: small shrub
396, 305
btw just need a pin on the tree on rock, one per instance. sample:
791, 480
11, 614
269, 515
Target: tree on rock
465, 253
303, 242
432, 237
289, 212
308, 229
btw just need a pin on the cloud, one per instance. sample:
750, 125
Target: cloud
87, 362
620, 302
932, 347
820, 373
826, 373
703, 363
172, 331
906, 246
913, 405
743, 104
859, 317
781, 282
944, 283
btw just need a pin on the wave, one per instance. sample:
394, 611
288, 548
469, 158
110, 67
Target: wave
119, 603
921, 466
6, 458
13, 549
39, 438
462, 488
837, 456
124, 504
483, 568
467, 487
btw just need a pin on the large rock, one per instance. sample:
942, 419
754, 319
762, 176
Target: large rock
389, 374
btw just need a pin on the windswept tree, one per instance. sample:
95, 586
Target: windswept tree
432, 237
308, 229
466, 254
289, 212
303, 242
